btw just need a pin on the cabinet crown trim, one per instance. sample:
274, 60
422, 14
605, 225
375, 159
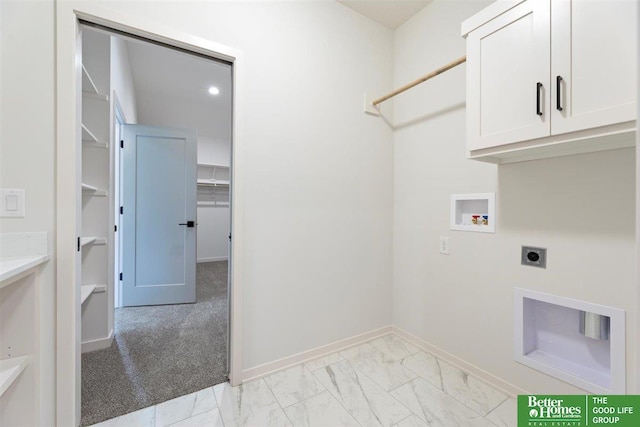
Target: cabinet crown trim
487, 14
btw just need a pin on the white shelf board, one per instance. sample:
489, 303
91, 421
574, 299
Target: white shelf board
212, 165
213, 204
212, 183
93, 240
93, 95
86, 240
88, 136
89, 87
10, 370
85, 291
94, 191
87, 187
14, 268
93, 144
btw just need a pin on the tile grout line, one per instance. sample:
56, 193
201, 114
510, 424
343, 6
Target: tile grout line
277, 401
450, 394
195, 400
219, 407
332, 396
494, 409
439, 359
411, 414
388, 392
442, 382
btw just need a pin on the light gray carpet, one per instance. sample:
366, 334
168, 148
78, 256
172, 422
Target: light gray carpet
160, 352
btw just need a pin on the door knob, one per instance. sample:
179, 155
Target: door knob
189, 224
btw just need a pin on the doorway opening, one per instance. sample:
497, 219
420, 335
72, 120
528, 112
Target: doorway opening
156, 157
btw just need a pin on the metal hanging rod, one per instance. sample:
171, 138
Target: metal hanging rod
422, 79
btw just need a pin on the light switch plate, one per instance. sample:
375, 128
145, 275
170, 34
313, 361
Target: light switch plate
444, 245
12, 203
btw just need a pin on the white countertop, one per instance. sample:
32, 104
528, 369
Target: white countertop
10, 267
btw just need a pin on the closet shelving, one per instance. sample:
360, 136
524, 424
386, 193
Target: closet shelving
214, 203
89, 88
213, 175
88, 136
93, 191
85, 291
213, 185
93, 240
87, 240
87, 187
95, 278
10, 370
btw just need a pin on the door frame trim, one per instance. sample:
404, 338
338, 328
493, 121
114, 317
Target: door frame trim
68, 140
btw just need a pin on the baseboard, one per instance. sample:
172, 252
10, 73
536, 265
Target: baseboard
494, 381
290, 361
98, 344
211, 259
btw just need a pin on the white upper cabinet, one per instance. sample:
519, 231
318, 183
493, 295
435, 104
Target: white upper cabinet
593, 63
508, 62
550, 77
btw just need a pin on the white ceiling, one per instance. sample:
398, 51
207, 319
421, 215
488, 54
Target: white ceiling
172, 89
390, 13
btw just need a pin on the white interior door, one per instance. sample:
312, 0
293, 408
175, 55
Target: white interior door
159, 216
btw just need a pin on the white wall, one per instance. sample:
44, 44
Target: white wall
580, 207
122, 80
213, 221
214, 151
318, 172
27, 154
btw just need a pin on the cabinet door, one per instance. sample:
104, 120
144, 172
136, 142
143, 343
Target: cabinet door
594, 45
508, 63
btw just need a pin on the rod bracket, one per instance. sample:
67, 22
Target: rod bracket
369, 108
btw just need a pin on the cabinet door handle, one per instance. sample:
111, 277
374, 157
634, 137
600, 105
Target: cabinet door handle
538, 96
558, 90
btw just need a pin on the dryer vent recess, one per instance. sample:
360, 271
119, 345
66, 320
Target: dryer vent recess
535, 257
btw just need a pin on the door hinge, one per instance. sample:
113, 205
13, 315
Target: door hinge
121, 210
78, 244
229, 236
120, 276
115, 228
122, 143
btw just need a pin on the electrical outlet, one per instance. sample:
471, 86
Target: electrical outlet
535, 257
444, 245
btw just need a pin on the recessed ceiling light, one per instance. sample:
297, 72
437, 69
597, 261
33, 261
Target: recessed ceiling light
214, 90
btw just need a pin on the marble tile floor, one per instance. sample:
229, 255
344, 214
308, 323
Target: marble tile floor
384, 382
